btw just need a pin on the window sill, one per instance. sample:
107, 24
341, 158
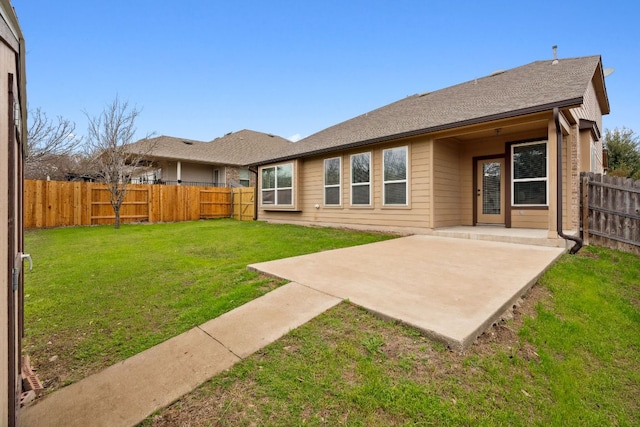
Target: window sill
396, 207
529, 208
281, 210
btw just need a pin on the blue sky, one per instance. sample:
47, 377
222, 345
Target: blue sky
201, 68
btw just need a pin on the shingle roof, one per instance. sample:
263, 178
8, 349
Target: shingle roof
236, 148
169, 147
247, 146
538, 86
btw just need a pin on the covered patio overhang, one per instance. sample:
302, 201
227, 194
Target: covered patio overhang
503, 173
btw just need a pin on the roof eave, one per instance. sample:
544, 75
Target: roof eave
601, 89
568, 103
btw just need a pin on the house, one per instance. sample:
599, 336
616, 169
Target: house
13, 134
484, 152
219, 162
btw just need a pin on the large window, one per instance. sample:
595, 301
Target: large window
394, 166
277, 185
332, 179
361, 179
530, 174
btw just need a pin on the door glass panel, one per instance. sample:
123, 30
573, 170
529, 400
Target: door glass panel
491, 188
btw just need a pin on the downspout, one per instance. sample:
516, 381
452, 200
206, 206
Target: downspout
255, 194
577, 240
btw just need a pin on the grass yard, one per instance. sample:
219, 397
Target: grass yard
570, 356
97, 296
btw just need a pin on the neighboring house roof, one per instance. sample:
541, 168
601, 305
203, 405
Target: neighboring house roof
169, 147
538, 86
247, 146
235, 148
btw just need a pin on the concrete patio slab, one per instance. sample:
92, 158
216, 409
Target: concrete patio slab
451, 289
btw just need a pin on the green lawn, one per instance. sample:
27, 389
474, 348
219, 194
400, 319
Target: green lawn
97, 295
570, 357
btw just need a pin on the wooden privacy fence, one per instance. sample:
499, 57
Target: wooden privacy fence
60, 204
611, 212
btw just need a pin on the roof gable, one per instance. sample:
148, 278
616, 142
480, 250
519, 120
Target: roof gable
535, 87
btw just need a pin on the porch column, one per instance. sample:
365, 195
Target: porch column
179, 172
552, 157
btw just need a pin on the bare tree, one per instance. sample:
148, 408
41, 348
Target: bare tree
50, 144
108, 137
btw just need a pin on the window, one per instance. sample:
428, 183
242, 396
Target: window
245, 180
277, 185
332, 179
361, 179
394, 166
530, 173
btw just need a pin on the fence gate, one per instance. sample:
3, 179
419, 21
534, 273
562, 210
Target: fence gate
243, 204
215, 203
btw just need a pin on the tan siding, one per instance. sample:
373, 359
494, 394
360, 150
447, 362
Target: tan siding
311, 191
446, 172
523, 218
581, 154
590, 108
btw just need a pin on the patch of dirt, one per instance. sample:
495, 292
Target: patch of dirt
54, 363
503, 335
217, 407
587, 254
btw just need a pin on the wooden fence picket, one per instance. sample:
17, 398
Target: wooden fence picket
62, 204
611, 212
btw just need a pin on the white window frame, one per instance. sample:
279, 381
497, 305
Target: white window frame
338, 185
405, 148
545, 179
360, 184
277, 188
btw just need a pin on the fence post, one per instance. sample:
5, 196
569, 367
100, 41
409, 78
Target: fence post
585, 209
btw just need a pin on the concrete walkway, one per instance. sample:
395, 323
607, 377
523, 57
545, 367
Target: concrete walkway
451, 289
126, 393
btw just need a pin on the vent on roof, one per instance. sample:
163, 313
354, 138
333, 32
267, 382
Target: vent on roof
187, 142
228, 133
555, 54
424, 93
496, 72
